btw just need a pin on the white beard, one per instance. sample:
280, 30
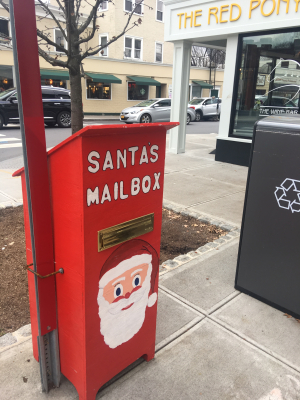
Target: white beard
119, 326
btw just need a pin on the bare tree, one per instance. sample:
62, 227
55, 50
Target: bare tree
198, 56
208, 58
77, 30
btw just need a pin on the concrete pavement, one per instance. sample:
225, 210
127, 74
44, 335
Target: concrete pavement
213, 342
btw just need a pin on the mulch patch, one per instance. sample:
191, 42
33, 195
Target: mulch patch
180, 235
14, 300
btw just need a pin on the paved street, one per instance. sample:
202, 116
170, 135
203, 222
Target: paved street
11, 146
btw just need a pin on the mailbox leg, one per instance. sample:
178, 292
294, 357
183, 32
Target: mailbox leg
150, 354
89, 394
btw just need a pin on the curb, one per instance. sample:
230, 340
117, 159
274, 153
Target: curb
12, 204
13, 339
108, 118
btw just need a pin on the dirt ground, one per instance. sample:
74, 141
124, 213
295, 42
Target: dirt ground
14, 302
179, 235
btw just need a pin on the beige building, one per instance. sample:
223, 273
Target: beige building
136, 67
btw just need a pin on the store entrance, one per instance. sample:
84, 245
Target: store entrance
268, 81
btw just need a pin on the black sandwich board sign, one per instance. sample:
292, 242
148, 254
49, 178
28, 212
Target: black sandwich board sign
268, 265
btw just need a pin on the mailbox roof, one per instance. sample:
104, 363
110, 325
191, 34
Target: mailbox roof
103, 130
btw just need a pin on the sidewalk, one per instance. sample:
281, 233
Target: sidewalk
96, 118
213, 342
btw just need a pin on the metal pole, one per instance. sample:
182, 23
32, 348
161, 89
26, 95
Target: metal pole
47, 343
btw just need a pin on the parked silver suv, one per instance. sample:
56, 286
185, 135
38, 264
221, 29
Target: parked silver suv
206, 107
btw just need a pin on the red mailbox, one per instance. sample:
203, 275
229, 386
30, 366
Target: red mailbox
106, 185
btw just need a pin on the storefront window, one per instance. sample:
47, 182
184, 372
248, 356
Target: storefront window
137, 92
98, 90
6, 78
54, 82
196, 91
268, 81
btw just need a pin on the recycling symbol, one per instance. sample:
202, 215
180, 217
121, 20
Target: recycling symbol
288, 195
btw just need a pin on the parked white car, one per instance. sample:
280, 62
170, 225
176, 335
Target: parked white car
206, 107
153, 110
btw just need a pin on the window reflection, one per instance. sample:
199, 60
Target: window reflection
98, 90
269, 79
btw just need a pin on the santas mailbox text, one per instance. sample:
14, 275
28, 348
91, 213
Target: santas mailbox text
115, 191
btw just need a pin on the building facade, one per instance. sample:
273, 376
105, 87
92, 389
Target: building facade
262, 66
136, 67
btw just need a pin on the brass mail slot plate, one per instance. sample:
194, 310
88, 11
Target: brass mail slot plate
117, 234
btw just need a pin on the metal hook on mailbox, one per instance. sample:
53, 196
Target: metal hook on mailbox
60, 271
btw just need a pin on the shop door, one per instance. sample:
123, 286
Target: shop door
283, 94
268, 79
214, 93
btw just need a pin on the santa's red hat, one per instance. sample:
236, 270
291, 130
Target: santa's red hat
126, 256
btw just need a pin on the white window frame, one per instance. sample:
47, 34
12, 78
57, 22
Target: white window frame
162, 52
133, 38
133, 2
105, 9
3, 41
111, 93
137, 84
163, 11
54, 40
100, 36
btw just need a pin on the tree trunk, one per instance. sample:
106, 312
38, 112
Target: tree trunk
76, 99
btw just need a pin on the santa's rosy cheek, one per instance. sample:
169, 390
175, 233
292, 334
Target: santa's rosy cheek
135, 289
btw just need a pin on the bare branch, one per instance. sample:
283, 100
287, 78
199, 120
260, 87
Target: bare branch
89, 53
47, 9
5, 6
78, 5
91, 35
49, 41
90, 17
61, 6
51, 60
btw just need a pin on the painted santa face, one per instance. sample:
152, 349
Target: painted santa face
123, 297
127, 283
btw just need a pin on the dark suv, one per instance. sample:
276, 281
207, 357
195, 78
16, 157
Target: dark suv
56, 105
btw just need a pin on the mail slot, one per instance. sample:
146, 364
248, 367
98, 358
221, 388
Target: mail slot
106, 185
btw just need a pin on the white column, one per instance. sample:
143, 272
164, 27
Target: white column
229, 74
180, 89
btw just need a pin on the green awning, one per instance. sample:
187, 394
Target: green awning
104, 78
61, 74
204, 85
141, 80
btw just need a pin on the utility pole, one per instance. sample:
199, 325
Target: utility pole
41, 254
